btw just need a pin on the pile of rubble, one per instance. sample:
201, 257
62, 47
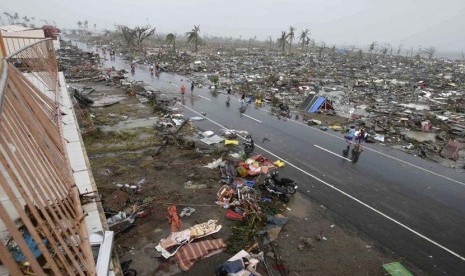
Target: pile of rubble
411, 103
256, 211
415, 104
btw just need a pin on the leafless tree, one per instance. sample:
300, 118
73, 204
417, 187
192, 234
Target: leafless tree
10, 17
251, 42
142, 33
16, 17
321, 48
385, 49
129, 34
282, 41
420, 51
372, 46
430, 52
399, 49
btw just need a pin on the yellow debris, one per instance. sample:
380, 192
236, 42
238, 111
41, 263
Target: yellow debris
231, 142
279, 163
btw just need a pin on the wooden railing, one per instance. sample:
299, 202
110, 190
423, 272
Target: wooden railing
12, 44
42, 229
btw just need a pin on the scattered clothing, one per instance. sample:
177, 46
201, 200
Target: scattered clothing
229, 267
173, 219
191, 253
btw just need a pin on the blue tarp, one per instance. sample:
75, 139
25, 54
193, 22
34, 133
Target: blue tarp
314, 108
30, 242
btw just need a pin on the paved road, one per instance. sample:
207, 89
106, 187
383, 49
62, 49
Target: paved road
410, 206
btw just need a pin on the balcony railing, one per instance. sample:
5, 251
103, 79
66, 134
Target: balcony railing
42, 229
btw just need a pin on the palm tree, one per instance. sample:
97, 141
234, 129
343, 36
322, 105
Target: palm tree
282, 41
95, 27
291, 35
304, 37
194, 36
79, 23
86, 24
16, 17
171, 39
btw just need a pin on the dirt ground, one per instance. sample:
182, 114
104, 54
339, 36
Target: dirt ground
311, 243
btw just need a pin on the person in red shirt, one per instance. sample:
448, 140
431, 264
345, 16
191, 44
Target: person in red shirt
183, 89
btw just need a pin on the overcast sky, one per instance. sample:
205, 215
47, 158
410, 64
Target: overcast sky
412, 23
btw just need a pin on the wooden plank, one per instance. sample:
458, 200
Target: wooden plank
29, 166
17, 236
44, 204
32, 154
44, 212
38, 141
9, 262
32, 207
36, 110
28, 122
45, 134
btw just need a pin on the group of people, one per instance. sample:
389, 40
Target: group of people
154, 68
183, 87
358, 136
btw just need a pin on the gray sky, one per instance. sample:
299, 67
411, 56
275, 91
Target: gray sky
351, 22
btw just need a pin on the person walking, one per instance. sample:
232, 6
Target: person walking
183, 89
360, 138
350, 136
242, 98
